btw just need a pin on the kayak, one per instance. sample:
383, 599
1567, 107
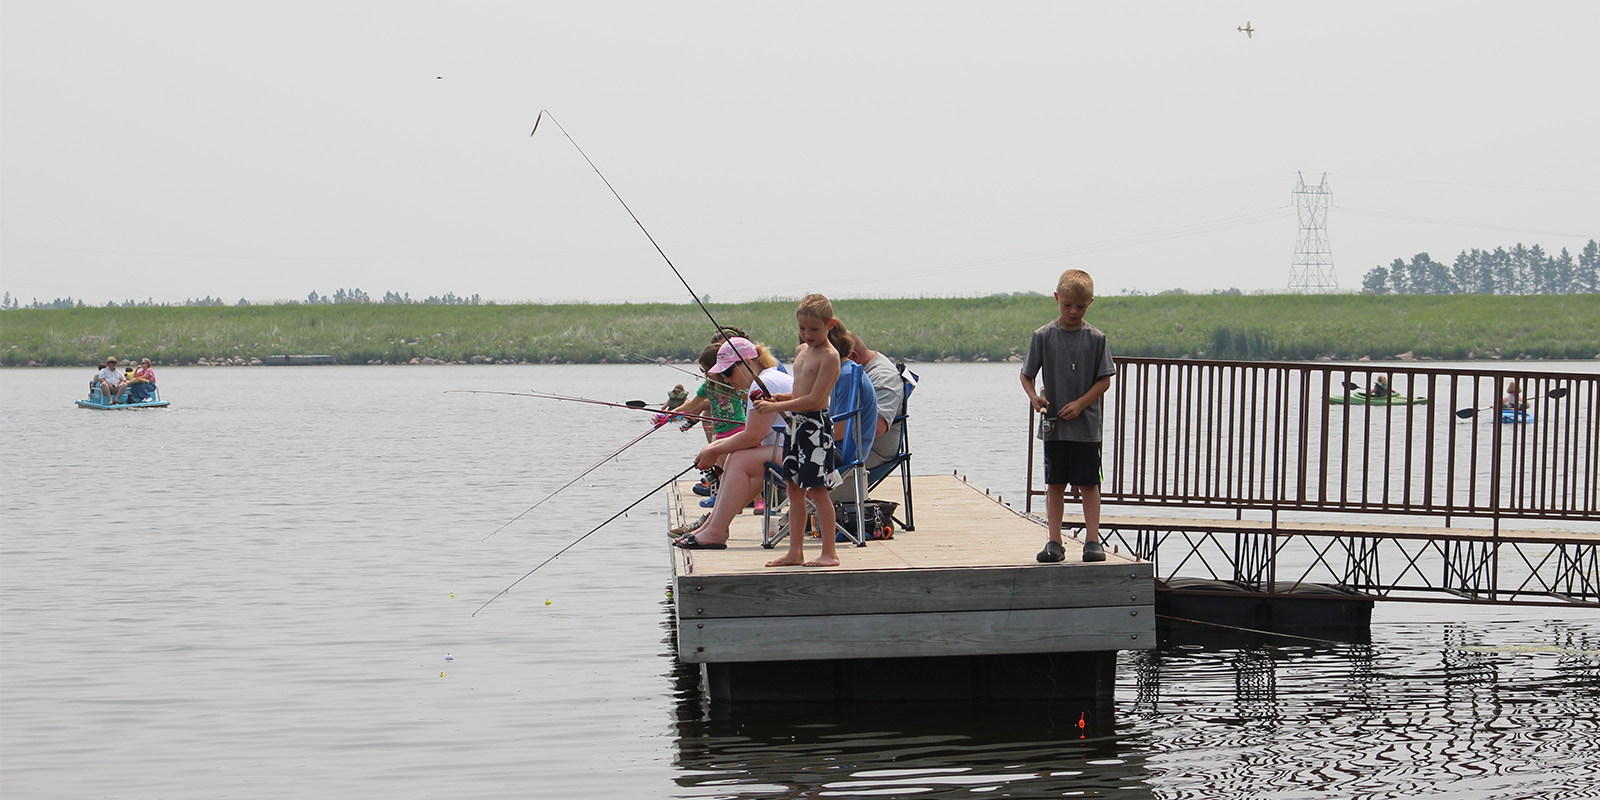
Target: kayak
1512, 417
1360, 398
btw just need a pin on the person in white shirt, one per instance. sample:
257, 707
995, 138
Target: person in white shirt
112, 386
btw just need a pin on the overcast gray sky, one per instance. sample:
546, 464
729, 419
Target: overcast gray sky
265, 150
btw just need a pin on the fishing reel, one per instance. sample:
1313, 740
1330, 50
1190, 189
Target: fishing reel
1047, 423
711, 479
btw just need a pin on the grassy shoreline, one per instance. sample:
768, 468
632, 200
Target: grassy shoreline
1264, 327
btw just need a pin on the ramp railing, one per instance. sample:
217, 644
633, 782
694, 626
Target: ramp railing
1275, 436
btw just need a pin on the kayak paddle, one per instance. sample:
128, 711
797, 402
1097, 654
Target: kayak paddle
1554, 394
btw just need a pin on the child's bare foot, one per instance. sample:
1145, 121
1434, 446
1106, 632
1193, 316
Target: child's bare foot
788, 560
823, 561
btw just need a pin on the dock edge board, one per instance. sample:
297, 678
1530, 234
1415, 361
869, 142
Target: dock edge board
1044, 630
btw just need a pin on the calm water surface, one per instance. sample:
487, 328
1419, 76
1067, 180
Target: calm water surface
254, 592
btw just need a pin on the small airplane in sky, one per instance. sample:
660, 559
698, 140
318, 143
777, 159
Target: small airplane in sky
1249, 32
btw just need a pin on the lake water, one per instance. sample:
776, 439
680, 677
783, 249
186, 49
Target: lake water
266, 591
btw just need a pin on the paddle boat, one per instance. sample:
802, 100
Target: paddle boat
142, 399
1362, 398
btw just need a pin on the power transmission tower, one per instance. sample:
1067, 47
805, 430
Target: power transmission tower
1312, 270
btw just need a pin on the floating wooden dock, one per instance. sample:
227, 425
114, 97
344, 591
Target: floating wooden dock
959, 604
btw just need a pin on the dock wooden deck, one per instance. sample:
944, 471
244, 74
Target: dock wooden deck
964, 583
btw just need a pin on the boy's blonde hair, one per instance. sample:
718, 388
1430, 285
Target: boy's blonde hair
816, 306
1075, 283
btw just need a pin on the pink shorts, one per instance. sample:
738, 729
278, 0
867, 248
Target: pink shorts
715, 437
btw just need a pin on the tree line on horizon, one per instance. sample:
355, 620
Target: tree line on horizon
339, 297
1520, 270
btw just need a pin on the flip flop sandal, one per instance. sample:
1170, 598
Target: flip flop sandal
680, 530
690, 543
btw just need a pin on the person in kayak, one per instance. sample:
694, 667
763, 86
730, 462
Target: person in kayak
1513, 398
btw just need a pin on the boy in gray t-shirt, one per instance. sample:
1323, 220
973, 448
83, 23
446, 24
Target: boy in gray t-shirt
1077, 366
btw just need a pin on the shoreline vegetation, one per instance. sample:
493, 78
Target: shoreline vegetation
1346, 327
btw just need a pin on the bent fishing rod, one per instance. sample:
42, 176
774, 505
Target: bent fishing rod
696, 297
585, 536
617, 452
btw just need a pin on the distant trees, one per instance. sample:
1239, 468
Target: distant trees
343, 296
339, 297
1520, 270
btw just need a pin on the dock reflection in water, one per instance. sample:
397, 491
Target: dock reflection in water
1422, 708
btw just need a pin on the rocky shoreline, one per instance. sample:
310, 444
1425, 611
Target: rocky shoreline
254, 361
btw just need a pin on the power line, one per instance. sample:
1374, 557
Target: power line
1458, 223
1573, 190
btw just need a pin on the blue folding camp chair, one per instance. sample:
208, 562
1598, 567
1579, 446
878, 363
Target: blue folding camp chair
902, 457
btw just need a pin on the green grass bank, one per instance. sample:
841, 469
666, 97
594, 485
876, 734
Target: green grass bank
1265, 327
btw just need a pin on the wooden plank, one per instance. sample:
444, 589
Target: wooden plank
957, 526
816, 593
1055, 630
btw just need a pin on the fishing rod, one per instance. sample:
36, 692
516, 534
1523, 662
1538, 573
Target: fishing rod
581, 538
637, 405
617, 452
1554, 394
692, 294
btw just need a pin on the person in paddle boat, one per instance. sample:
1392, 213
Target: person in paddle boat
141, 384
112, 386
1380, 388
739, 361
810, 461
1077, 365
1513, 400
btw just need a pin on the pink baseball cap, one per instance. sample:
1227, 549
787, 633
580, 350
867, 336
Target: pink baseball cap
732, 352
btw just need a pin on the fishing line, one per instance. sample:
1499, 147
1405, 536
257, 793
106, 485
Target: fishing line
1252, 630
636, 405
581, 538
644, 359
635, 440
692, 295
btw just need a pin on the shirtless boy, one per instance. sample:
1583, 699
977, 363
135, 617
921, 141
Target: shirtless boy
809, 460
